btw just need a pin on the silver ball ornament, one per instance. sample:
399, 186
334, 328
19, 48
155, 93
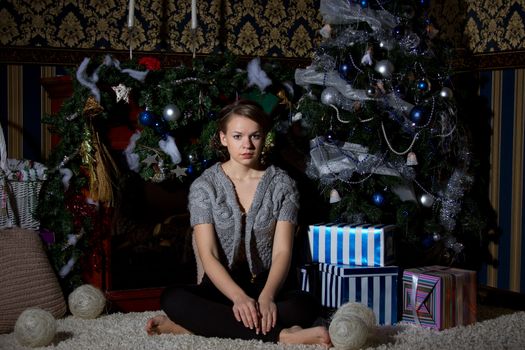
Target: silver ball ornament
385, 68
426, 200
171, 113
446, 92
330, 96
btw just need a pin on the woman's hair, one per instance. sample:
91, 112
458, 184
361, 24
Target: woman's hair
246, 108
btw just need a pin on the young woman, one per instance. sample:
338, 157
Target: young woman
243, 216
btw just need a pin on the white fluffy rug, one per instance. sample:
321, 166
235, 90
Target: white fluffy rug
126, 331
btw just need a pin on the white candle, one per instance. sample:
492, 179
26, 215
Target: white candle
193, 14
131, 13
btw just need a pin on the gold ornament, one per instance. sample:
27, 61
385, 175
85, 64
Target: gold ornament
92, 108
101, 167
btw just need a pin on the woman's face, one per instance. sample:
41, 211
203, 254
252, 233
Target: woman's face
244, 139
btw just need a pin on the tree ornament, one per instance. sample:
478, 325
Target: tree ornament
367, 59
378, 199
171, 113
426, 200
330, 96
436, 236
371, 91
346, 70
334, 196
363, 3
386, 43
190, 169
179, 171
424, 3
92, 108
411, 159
325, 31
385, 68
418, 115
122, 92
423, 85
147, 118
35, 328
446, 92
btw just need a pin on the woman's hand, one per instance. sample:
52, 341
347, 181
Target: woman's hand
267, 313
245, 310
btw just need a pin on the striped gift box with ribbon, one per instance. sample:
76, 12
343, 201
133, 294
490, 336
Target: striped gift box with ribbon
335, 285
358, 245
444, 297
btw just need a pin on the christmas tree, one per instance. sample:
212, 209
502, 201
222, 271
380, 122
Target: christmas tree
387, 141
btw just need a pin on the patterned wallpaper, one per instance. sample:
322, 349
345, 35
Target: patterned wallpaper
246, 27
495, 25
281, 28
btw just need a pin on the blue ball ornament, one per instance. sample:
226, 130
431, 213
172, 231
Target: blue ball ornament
424, 3
190, 169
418, 115
423, 85
147, 118
378, 198
363, 3
428, 241
346, 71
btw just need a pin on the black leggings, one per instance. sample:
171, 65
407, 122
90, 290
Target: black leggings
204, 310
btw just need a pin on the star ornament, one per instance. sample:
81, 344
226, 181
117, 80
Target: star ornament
179, 171
122, 92
151, 159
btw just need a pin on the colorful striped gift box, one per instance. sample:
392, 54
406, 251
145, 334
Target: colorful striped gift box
444, 297
335, 285
358, 245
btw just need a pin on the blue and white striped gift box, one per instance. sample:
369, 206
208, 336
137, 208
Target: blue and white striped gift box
358, 245
376, 287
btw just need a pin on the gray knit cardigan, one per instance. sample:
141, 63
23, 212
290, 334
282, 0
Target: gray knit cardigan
212, 200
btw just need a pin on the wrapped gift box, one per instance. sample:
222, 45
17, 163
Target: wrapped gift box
358, 245
444, 297
335, 285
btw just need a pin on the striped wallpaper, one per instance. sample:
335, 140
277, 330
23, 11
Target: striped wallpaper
23, 102
505, 91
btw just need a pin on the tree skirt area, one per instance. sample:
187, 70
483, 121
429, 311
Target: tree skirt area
126, 331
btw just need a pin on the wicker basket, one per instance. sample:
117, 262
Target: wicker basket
20, 183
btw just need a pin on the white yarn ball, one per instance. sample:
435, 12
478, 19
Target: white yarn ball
86, 301
35, 328
360, 310
347, 331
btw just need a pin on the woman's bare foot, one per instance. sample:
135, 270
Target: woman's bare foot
161, 324
298, 335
